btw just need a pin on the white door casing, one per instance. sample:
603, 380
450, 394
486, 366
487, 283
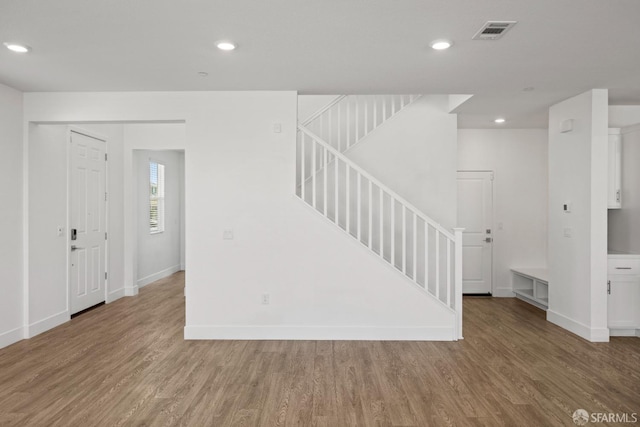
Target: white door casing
87, 215
475, 215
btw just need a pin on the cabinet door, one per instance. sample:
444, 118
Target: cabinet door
614, 196
623, 302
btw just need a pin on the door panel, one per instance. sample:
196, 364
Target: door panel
87, 216
473, 263
475, 210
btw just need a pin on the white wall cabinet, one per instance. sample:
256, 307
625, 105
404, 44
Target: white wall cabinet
623, 304
614, 196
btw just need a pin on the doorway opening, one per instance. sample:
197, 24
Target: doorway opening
159, 214
67, 198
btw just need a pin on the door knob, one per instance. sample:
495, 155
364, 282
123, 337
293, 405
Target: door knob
488, 240
74, 247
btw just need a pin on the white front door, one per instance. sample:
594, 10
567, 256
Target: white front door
475, 215
87, 222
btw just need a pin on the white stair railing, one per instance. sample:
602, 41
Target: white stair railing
349, 118
395, 230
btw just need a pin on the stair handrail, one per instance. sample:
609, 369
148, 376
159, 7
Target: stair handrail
449, 235
323, 110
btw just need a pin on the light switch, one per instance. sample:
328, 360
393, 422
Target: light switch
277, 127
568, 231
60, 230
227, 234
566, 126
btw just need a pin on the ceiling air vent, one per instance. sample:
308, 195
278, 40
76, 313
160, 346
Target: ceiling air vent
493, 30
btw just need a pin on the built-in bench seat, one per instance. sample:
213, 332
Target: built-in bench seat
532, 285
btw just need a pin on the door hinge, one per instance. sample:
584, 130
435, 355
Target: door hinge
105, 157
105, 235
105, 275
609, 287
105, 196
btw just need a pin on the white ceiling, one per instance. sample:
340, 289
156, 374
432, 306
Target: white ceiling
560, 48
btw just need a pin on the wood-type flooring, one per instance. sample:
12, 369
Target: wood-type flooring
127, 364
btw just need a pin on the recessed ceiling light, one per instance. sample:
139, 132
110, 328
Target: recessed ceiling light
441, 44
15, 47
529, 89
499, 120
225, 45
203, 73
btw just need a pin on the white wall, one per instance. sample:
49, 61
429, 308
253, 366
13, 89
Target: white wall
415, 154
518, 158
240, 175
578, 173
47, 197
624, 224
159, 254
47, 206
11, 313
183, 214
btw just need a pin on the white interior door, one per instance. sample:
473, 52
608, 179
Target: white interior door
87, 218
475, 215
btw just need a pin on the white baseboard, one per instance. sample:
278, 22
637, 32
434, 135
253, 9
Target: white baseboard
580, 329
50, 322
632, 332
503, 293
10, 337
115, 295
320, 333
157, 276
130, 291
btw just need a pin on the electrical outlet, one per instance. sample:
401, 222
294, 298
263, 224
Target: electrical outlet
227, 234
568, 232
265, 299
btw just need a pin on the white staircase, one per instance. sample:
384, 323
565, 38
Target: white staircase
388, 225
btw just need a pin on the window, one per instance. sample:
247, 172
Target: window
156, 197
